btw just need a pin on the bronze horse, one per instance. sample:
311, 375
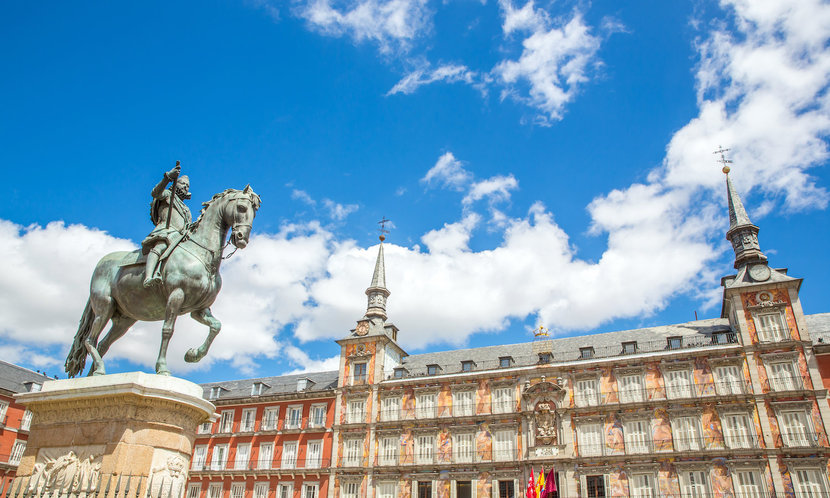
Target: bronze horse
191, 283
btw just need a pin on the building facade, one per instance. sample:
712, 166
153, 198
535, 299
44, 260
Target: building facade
728, 407
14, 418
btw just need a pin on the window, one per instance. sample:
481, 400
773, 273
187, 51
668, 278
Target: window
631, 388
679, 384
237, 490
545, 357
795, 430
433, 369
266, 453
293, 417
26, 421
590, 439
728, 380
810, 483
426, 406
220, 457
256, 388
356, 413
353, 452
506, 489
350, 489
637, 436
17, 452
248, 420
358, 373
199, 458
505, 361
462, 448
310, 490
243, 453
463, 404
675, 342
586, 392
390, 409
595, 486
425, 449
504, 446
289, 455
747, 484
399, 373
226, 422
467, 366
285, 490
464, 489
314, 454
723, 338
771, 327
736, 431
586, 353
215, 392
424, 489
269, 418
686, 432
303, 384
261, 490
387, 490
205, 428
318, 416
642, 486
694, 484
782, 376
503, 400
389, 451
215, 490
629, 347
194, 490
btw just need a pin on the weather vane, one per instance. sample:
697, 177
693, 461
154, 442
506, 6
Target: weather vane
382, 230
723, 160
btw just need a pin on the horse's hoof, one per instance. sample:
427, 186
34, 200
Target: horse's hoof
164, 372
192, 356
99, 372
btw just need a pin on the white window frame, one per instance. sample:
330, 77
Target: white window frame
771, 326
265, 459
463, 447
293, 417
425, 449
729, 380
270, 418
738, 436
358, 380
226, 421
352, 452
390, 408
261, 490
631, 387
205, 428
463, 403
310, 490
637, 436
237, 490
679, 383
194, 490
256, 388
199, 461
795, 436
350, 489
425, 407
317, 415
695, 483
590, 438
743, 489
504, 445
248, 421
285, 490
314, 454
687, 433
503, 399
215, 392
783, 376
643, 489
387, 489
17, 451
288, 459
389, 450
219, 457
586, 392
241, 463
214, 490
26, 420
356, 411
815, 486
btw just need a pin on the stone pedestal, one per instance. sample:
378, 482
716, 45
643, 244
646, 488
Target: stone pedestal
132, 431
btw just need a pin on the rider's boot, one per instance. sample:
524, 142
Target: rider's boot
150, 276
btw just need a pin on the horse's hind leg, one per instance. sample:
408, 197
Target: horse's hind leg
174, 304
102, 316
120, 325
205, 318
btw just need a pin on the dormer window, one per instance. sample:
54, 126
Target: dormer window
545, 357
721, 338
215, 392
629, 347
467, 365
433, 369
399, 372
505, 361
675, 342
303, 384
586, 353
256, 389
33, 387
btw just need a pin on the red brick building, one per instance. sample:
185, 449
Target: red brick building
272, 438
14, 418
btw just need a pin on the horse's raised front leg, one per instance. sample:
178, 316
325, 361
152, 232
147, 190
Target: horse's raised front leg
205, 318
91, 342
174, 304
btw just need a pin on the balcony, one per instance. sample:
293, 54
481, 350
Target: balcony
254, 465
458, 458
784, 383
797, 439
642, 395
671, 445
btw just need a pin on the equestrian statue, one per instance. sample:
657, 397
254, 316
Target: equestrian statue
175, 272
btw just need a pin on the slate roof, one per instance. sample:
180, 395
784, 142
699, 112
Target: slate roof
13, 378
819, 327
283, 384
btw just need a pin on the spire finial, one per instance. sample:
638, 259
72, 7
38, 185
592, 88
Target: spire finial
382, 230
723, 160
742, 233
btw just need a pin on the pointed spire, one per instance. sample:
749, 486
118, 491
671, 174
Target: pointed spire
379, 277
377, 291
742, 233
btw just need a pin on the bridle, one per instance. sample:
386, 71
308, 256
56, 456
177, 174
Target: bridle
236, 224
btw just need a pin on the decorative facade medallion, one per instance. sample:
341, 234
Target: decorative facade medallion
546, 426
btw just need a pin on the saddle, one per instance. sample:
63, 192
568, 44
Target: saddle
138, 258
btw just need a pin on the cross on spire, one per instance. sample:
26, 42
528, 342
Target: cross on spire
382, 230
723, 160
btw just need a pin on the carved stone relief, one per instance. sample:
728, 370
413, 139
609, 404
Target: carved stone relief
66, 470
168, 474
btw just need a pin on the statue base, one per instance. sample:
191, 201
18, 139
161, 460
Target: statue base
131, 432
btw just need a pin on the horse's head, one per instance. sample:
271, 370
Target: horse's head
239, 212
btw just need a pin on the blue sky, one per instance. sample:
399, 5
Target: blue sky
542, 163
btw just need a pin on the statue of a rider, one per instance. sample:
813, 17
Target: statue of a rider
171, 217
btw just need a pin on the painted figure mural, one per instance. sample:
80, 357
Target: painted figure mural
484, 443
661, 428
444, 446
614, 440
483, 397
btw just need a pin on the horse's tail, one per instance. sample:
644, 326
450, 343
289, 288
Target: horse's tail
76, 359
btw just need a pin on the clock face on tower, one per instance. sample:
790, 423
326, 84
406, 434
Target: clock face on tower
759, 273
362, 328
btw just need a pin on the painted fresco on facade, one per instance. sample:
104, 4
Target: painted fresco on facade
667, 480
518, 397
340, 453
444, 446
406, 488
786, 479
484, 485
407, 447
483, 397
712, 430
654, 381
342, 413
484, 442
614, 441
445, 401
365, 458
721, 479
773, 425
608, 385
336, 487
781, 295
661, 430
443, 488
815, 414
618, 482
768, 478
703, 377
804, 371
762, 373
408, 404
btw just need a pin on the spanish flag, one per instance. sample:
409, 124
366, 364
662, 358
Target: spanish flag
540, 485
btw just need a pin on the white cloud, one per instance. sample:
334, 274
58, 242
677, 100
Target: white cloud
496, 188
449, 172
307, 364
392, 24
302, 195
449, 73
339, 212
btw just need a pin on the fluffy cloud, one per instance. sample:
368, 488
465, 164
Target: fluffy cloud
449, 172
450, 73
